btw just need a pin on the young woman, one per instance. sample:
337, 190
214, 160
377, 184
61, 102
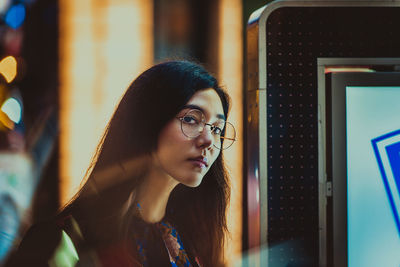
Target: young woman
157, 191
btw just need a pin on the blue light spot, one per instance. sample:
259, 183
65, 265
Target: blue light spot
12, 108
15, 16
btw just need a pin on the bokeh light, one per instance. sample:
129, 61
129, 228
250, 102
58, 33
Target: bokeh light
13, 109
3, 5
8, 68
15, 16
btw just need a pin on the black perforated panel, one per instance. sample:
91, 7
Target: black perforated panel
296, 37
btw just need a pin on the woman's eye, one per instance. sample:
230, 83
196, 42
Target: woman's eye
217, 130
190, 120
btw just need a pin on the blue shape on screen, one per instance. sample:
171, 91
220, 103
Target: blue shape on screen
393, 155
393, 152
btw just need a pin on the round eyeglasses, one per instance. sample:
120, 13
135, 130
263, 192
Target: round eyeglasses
194, 122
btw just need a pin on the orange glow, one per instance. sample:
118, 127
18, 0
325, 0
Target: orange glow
348, 69
5, 121
103, 47
8, 68
230, 64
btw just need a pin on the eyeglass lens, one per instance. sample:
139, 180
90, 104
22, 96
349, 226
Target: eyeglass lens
193, 124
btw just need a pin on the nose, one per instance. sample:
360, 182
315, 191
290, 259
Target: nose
205, 139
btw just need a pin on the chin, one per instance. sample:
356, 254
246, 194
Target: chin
195, 182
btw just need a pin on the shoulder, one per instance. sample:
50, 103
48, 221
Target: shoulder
47, 242
38, 245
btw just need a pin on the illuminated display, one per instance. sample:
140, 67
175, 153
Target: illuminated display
373, 175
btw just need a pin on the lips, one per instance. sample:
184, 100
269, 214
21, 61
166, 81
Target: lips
200, 161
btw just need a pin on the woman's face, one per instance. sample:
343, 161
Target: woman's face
187, 159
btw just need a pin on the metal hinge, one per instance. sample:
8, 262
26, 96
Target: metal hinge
329, 189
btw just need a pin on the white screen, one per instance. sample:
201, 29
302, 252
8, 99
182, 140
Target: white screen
373, 234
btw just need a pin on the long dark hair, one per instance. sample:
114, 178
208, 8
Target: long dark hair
104, 204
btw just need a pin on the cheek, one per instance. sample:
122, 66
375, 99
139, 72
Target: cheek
213, 158
170, 141
169, 132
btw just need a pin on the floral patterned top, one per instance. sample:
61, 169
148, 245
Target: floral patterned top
156, 243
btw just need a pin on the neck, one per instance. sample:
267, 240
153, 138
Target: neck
153, 194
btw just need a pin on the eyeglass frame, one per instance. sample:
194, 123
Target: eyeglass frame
211, 129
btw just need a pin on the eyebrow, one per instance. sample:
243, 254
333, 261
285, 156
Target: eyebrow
219, 116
